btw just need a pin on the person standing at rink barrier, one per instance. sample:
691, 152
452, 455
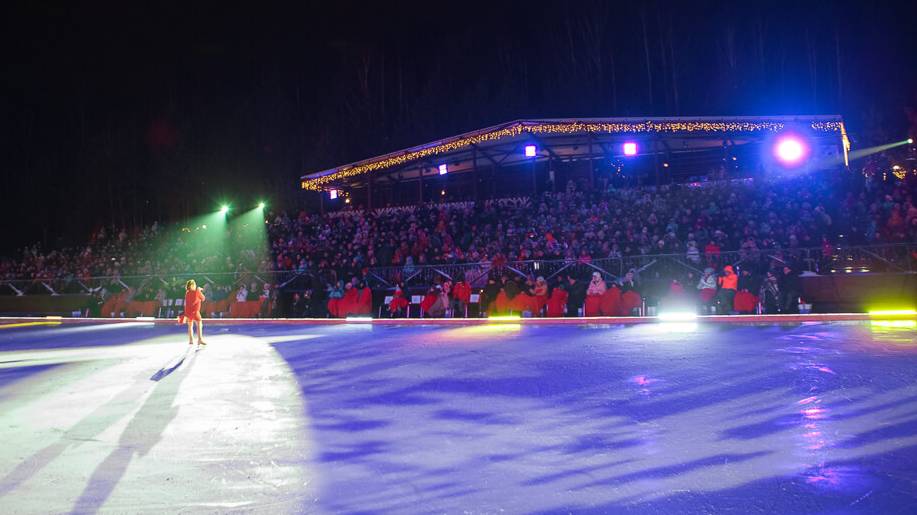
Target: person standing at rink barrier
725, 297
194, 297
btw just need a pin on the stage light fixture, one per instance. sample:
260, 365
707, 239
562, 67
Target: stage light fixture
224, 209
790, 150
443, 169
530, 150
630, 148
332, 194
261, 205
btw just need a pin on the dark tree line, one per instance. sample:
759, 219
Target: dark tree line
118, 115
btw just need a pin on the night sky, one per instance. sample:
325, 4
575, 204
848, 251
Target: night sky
116, 113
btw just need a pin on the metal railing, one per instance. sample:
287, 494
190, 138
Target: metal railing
889, 258
148, 283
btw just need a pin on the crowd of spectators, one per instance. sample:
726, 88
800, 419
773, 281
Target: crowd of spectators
154, 250
579, 225
695, 220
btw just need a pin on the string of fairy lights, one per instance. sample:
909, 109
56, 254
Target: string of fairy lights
561, 128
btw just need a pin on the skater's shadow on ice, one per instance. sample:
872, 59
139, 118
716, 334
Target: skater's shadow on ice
86, 430
141, 434
170, 366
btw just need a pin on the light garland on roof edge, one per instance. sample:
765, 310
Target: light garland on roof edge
558, 128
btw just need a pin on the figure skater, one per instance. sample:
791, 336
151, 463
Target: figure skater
194, 296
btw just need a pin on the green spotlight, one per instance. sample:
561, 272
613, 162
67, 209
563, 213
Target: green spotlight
261, 205
224, 209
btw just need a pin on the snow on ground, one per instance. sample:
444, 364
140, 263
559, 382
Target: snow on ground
674, 418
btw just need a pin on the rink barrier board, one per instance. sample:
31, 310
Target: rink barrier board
708, 319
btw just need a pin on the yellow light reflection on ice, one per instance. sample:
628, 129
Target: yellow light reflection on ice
27, 324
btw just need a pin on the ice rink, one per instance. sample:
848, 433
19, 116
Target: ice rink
499, 418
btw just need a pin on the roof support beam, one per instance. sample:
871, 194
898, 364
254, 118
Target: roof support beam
486, 154
541, 143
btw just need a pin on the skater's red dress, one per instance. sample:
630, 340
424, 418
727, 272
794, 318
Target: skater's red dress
193, 300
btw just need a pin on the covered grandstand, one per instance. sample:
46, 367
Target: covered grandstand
528, 156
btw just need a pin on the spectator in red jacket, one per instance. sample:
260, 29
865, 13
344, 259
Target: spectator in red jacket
461, 296
558, 299
429, 300
399, 303
712, 253
540, 295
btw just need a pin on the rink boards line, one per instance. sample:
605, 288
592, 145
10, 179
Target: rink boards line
11, 322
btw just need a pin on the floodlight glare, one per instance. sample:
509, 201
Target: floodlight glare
630, 149
677, 316
224, 209
892, 312
790, 150
530, 150
261, 205
893, 323
503, 318
910, 141
443, 169
333, 194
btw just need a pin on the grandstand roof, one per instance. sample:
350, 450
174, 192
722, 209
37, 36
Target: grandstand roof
574, 139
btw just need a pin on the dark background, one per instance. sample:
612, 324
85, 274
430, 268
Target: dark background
125, 114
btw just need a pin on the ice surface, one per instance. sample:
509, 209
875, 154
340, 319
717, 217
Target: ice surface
675, 418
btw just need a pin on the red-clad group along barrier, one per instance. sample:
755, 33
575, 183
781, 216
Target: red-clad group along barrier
612, 303
354, 302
